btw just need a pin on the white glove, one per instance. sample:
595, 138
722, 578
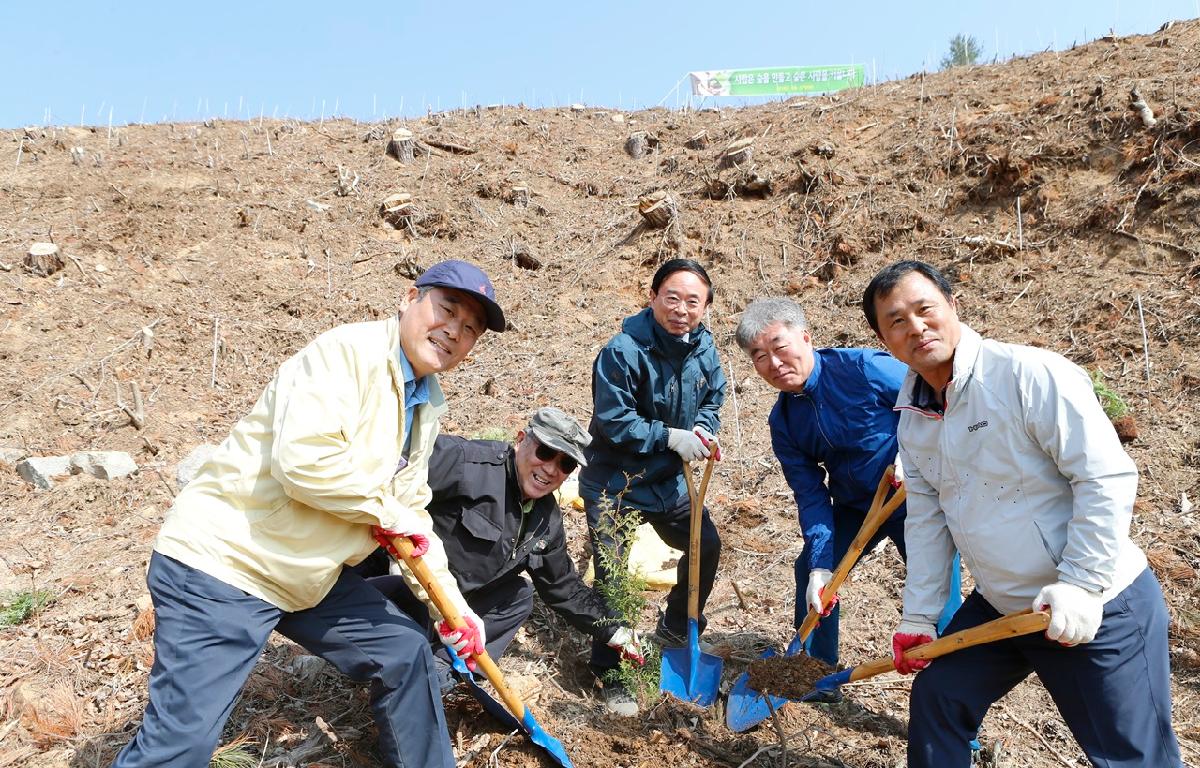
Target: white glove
687, 444
818, 579
1075, 613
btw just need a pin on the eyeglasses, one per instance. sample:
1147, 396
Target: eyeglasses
546, 453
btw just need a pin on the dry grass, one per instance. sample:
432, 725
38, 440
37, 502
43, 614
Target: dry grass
55, 715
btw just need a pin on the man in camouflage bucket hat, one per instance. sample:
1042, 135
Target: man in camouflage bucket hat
494, 510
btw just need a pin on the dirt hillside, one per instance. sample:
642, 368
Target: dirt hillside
1066, 220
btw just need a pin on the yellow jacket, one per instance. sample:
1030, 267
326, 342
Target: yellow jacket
292, 493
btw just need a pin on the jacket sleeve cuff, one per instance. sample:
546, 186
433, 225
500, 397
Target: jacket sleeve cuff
1091, 586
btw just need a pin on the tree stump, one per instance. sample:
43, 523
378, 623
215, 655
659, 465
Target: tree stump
401, 145
397, 209
518, 195
698, 141
658, 209
737, 153
635, 145
754, 184
43, 259
523, 255
639, 143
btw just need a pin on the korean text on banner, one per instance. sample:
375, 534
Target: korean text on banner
770, 81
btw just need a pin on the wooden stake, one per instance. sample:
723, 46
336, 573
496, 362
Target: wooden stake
1020, 227
216, 344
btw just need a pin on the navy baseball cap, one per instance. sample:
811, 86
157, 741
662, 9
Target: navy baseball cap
468, 278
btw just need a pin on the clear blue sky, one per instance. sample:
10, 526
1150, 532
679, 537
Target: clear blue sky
193, 60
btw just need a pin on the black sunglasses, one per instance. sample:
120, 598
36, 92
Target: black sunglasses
546, 453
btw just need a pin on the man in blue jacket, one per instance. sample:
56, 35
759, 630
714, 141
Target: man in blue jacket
656, 389
834, 416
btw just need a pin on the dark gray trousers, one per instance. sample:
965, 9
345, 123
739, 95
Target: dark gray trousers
1114, 693
209, 635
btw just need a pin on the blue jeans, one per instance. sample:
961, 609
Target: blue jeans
209, 635
823, 642
1113, 693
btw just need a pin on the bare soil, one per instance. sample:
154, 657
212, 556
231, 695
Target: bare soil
236, 243
788, 676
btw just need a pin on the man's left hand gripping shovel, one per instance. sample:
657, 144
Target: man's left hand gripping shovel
522, 714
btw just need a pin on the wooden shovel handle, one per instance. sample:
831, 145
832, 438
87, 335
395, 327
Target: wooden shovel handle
697, 517
1024, 623
876, 517
446, 607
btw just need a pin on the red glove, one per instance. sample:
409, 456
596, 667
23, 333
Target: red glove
709, 441
420, 541
626, 642
909, 635
465, 643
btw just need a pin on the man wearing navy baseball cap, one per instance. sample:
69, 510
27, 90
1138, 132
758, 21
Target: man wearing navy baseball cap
333, 457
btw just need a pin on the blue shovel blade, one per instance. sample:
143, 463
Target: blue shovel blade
528, 723
493, 707
688, 673
538, 736
829, 683
746, 707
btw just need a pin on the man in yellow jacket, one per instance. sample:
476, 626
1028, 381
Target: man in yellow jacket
335, 451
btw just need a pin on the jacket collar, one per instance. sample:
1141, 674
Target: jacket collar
814, 382
917, 395
645, 330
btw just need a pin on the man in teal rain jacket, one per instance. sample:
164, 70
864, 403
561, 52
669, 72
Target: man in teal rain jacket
657, 388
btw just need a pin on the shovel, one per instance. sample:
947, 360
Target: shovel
747, 708
688, 673
520, 713
1014, 624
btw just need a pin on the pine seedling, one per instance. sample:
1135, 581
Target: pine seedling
624, 592
1113, 404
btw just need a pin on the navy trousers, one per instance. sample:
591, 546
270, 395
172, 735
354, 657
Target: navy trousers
209, 635
503, 605
1114, 693
674, 528
823, 642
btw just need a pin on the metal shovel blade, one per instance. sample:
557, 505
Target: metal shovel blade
746, 707
688, 673
528, 723
493, 707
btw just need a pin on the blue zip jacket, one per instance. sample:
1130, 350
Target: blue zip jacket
841, 423
644, 381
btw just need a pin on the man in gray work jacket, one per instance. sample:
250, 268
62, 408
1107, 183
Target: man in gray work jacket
1008, 456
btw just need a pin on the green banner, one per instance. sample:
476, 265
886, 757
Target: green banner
770, 81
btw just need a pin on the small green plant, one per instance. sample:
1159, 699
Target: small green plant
499, 434
1113, 404
239, 753
22, 606
625, 594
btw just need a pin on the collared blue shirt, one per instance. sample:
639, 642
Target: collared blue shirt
416, 392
